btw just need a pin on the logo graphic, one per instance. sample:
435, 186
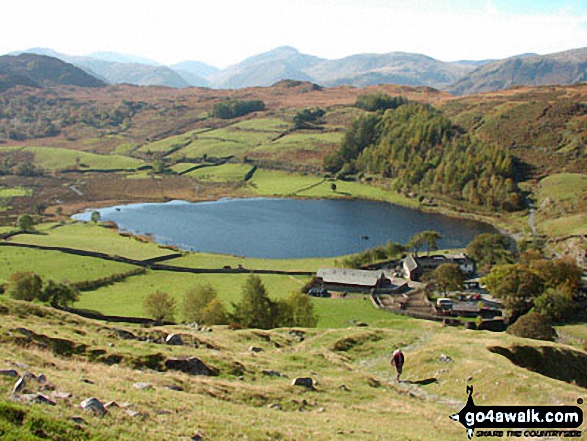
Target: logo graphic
514, 417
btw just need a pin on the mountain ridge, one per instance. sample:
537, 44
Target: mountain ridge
461, 77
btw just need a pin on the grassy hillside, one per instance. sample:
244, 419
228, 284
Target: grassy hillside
355, 396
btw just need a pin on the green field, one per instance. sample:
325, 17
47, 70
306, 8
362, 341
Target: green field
222, 173
89, 237
56, 265
126, 298
207, 260
58, 159
563, 187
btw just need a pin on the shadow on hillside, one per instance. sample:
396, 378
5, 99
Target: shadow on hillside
561, 364
425, 382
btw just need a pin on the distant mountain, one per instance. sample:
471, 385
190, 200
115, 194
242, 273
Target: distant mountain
115, 72
395, 67
266, 69
568, 67
41, 70
198, 68
357, 70
123, 58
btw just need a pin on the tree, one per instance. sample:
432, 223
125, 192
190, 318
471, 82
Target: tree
255, 309
448, 277
160, 306
296, 309
24, 285
426, 238
556, 304
558, 272
59, 294
490, 249
25, 222
379, 102
95, 217
516, 285
534, 326
196, 300
214, 313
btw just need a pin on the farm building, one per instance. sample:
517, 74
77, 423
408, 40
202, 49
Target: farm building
353, 280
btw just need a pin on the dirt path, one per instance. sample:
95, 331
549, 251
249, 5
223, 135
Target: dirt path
415, 389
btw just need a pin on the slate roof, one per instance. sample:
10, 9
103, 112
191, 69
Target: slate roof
346, 276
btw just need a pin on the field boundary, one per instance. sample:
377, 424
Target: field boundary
148, 263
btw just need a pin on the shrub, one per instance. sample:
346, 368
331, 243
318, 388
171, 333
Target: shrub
160, 306
533, 325
196, 300
24, 285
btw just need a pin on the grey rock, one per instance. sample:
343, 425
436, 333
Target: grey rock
445, 358
36, 398
124, 334
111, 405
19, 386
271, 373
255, 349
197, 437
275, 406
78, 420
172, 387
95, 406
174, 340
192, 366
61, 395
344, 387
28, 376
135, 414
9, 373
42, 379
306, 382
143, 386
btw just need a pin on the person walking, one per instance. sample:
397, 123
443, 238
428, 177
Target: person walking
397, 360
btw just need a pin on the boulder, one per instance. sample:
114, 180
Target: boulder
143, 386
255, 349
95, 406
174, 340
9, 373
306, 382
61, 395
124, 334
192, 366
445, 358
36, 398
135, 414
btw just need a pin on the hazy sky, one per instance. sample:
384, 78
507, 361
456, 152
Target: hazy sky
224, 32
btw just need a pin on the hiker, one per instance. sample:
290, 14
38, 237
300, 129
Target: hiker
397, 360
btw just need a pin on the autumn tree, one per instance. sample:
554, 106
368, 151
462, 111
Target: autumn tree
160, 306
448, 277
196, 300
516, 285
24, 285
489, 249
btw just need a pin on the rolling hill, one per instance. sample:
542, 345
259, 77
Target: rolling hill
41, 70
561, 68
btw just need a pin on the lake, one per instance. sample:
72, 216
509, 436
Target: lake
285, 228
